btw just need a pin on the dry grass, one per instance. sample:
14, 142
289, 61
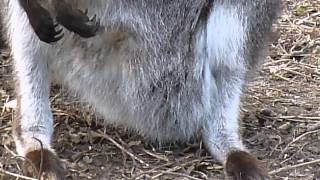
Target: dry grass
281, 119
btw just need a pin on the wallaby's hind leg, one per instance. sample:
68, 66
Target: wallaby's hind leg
222, 137
76, 20
33, 124
224, 76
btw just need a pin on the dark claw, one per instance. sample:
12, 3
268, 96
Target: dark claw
98, 25
94, 18
50, 34
57, 38
85, 12
58, 31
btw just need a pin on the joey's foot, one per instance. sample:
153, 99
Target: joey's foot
43, 25
242, 165
44, 164
78, 22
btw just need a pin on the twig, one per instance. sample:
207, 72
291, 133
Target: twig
298, 73
16, 175
202, 174
298, 138
283, 78
307, 18
302, 118
308, 118
290, 167
176, 168
41, 158
9, 150
105, 136
314, 127
151, 170
156, 156
180, 174
275, 62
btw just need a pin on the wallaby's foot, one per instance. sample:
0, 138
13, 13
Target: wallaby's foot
43, 164
42, 23
78, 22
242, 165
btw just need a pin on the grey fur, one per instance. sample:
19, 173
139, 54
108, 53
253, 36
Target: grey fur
151, 70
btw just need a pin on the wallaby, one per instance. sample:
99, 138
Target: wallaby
171, 70
72, 19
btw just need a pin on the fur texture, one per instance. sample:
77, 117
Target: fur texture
171, 70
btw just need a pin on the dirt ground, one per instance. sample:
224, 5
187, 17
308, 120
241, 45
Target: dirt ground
280, 114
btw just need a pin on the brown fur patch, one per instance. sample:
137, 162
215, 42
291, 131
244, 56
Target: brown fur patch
44, 162
241, 165
114, 38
